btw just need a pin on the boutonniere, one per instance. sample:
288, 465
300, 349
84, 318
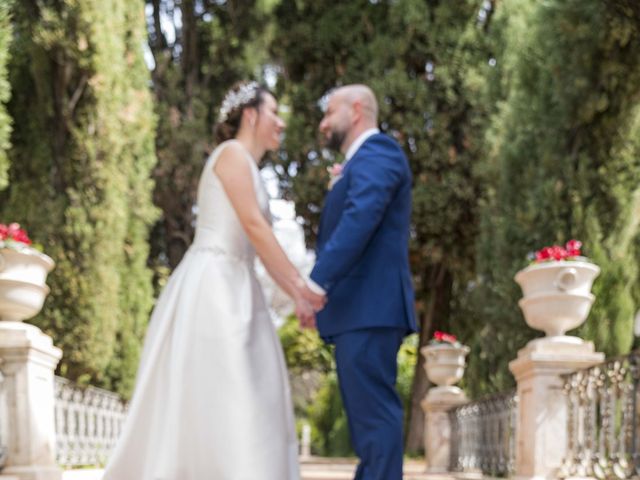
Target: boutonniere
335, 174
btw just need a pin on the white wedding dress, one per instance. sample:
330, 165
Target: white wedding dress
212, 398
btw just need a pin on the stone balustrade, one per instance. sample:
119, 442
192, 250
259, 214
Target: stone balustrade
88, 423
571, 416
525, 434
483, 435
602, 420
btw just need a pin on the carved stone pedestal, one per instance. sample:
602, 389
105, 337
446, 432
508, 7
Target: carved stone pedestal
28, 362
437, 435
542, 424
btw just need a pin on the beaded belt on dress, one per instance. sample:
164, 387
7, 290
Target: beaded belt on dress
206, 240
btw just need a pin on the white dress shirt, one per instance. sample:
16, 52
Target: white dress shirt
357, 143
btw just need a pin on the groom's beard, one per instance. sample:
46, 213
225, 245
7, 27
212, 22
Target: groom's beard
336, 139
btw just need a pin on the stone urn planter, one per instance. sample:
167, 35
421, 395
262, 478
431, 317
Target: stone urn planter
557, 295
23, 289
445, 364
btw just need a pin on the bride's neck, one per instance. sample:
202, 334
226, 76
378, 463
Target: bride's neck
256, 150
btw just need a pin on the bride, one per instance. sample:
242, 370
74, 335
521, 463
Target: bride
212, 399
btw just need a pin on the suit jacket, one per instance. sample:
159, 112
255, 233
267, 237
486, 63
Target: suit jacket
362, 247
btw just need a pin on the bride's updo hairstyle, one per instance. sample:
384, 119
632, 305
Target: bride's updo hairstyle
242, 95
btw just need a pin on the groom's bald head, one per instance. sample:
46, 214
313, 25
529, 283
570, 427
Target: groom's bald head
351, 110
363, 96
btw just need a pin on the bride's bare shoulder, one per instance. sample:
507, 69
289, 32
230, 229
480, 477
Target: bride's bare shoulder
228, 154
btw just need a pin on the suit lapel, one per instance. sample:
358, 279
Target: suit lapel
335, 199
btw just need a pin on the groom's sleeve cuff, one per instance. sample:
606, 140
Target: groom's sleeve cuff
315, 288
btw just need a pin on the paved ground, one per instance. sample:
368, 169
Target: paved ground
343, 469
312, 469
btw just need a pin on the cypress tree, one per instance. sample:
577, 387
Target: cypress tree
136, 292
80, 167
437, 100
5, 92
567, 162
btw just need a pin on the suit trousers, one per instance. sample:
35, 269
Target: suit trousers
366, 362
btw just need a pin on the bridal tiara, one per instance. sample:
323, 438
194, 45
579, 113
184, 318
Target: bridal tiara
237, 98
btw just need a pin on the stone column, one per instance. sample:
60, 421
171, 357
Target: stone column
541, 443
3, 429
28, 362
305, 443
437, 428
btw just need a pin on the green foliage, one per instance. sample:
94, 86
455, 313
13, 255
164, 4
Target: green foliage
312, 372
80, 176
407, 361
566, 162
5, 91
323, 410
304, 350
329, 426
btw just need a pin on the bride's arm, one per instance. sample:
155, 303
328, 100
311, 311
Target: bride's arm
234, 171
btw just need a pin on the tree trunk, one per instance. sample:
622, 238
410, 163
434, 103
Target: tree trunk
190, 57
439, 281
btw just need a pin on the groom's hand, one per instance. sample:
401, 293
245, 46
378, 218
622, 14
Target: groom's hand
316, 300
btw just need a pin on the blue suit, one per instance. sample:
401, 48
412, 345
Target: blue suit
363, 264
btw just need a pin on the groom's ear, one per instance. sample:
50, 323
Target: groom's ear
357, 111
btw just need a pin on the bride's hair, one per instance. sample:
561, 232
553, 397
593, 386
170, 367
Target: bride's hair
240, 96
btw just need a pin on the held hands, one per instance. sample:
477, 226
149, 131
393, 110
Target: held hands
307, 304
316, 300
305, 313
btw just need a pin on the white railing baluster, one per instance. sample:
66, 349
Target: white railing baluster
88, 423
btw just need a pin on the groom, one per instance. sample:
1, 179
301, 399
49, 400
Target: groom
363, 268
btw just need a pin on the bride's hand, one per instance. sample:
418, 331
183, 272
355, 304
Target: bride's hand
305, 313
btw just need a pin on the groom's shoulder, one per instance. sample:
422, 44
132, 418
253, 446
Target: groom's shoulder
383, 144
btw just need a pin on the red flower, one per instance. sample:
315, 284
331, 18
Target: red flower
22, 237
15, 233
543, 254
573, 248
556, 252
439, 336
